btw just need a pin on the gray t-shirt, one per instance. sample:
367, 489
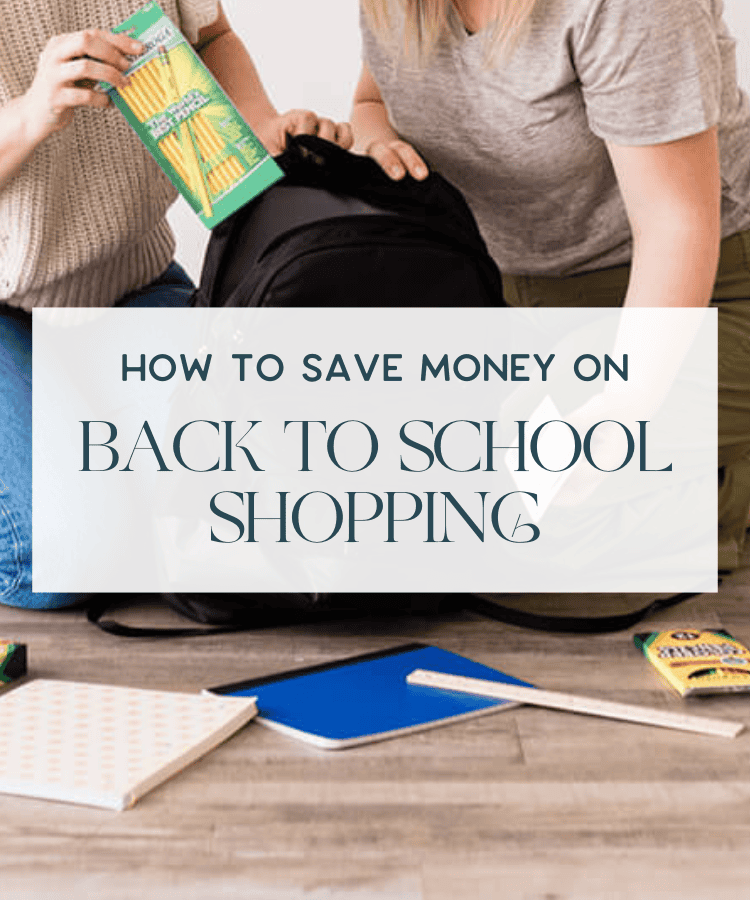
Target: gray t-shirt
524, 138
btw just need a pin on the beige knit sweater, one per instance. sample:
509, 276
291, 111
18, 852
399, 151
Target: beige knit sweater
83, 222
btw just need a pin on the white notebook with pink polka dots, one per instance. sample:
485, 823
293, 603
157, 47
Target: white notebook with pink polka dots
103, 745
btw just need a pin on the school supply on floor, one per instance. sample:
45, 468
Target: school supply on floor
102, 745
574, 703
697, 662
366, 698
188, 123
12, 661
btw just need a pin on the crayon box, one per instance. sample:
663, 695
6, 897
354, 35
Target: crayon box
188, 123
698, 662
12, 661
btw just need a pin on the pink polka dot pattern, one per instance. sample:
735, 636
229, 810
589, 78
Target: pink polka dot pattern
103, 745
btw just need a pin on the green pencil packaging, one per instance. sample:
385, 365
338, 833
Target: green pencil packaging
187, 122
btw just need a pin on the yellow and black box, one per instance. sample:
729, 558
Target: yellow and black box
698, 662
12, 661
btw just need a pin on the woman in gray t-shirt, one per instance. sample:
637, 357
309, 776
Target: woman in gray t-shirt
588, 136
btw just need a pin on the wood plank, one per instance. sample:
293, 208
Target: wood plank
521, 804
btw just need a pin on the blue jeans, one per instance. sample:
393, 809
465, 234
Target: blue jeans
172, 289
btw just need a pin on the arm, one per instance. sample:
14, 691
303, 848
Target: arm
374, 135
672, 194
68, 67
225, 55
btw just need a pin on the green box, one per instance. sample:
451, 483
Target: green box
12, 661
187, 122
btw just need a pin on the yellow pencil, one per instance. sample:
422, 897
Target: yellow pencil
172, 149
134, 101
225, 174
210, 142
140, 86
153, 84
189, 153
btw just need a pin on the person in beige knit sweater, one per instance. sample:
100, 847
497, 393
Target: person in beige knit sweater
83, 205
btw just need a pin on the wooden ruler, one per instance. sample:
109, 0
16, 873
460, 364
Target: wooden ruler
589, 706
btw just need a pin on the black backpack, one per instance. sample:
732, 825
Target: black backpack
337, 232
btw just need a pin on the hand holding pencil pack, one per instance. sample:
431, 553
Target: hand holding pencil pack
188, 123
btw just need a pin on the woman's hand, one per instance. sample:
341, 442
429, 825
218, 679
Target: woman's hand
69, 67
395, 157
273, 132
375, 136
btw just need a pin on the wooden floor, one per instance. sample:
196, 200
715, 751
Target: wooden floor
529, 803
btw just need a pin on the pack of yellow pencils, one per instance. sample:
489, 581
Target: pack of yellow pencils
698, 662
188, 123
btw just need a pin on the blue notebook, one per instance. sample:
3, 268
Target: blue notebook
366, 698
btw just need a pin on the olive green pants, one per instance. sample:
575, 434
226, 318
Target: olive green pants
731, 297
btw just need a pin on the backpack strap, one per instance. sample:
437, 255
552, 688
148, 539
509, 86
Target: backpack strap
262, 618
570, 624
274, 618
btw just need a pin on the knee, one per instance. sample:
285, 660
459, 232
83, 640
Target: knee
15, 569
24, 598
14, 557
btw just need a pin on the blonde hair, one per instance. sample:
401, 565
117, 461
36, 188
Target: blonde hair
426, 22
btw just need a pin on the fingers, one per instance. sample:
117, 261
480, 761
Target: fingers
69, 69
344, 135
90, 70
336, 132
299, 121
303, 121
112, 49
396, 158
89, 56
327, 130
81, 96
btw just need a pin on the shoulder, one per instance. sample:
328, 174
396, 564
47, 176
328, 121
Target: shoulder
636, 14
626, 29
